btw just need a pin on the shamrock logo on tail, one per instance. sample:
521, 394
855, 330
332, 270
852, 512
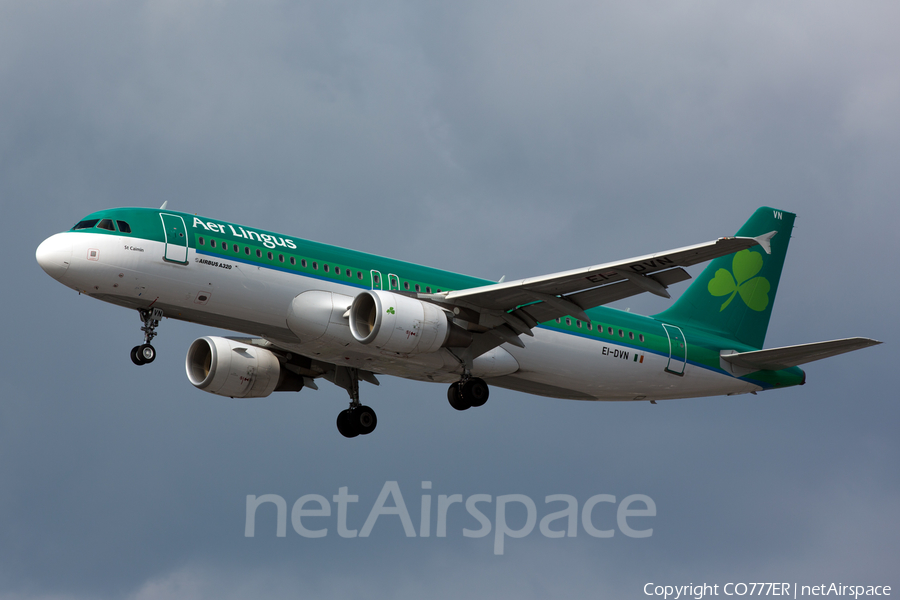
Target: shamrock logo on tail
754, 291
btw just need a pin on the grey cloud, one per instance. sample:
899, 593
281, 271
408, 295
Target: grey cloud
494, 139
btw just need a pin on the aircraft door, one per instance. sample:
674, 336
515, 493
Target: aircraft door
176, 239
677, 350
393, 282
376, 279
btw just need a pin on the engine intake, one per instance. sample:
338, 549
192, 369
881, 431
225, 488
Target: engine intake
401, 324
230, 367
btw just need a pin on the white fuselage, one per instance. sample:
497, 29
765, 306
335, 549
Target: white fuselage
255, 300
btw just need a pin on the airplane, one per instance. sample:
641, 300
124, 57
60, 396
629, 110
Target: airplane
312, 311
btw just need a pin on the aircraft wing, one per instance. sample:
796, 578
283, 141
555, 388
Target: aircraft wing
538, 299
502, 311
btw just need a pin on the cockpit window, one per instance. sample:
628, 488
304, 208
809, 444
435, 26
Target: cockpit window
87, 224
106, 224
123, 226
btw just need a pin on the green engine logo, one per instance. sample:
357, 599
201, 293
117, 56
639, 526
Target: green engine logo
754, 290
390, 311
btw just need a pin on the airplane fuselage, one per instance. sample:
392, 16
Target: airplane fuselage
260, 284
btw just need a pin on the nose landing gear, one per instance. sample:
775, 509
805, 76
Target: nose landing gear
146, 353
143, 354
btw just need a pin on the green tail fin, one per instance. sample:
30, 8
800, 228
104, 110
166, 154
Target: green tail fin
733, 297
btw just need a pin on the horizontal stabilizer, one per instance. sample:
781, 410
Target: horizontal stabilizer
775, 359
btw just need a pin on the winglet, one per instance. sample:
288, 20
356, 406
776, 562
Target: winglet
163, 207
765, 240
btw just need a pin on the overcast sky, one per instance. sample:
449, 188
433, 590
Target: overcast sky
490, 138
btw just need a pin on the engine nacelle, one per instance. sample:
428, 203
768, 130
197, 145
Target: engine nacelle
233, 368
402, 324
317, 315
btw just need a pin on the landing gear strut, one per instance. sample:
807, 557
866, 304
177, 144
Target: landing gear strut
358, 419
145, 353
468, 392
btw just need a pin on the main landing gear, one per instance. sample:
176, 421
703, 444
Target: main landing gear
468, 392
145, 353
358, 419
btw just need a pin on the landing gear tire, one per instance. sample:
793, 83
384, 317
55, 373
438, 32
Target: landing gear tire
345, 424
364, 419
147, 354
475, 392
352, 422
136, 356
454, 395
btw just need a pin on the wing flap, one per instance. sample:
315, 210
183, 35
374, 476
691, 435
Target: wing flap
775, 359
544, 311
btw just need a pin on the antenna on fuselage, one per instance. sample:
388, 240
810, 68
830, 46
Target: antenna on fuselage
163, 207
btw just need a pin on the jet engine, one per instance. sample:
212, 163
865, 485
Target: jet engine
234, 368
401, 324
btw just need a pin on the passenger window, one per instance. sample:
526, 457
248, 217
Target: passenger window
269, 255
86, 224
577, 323
123, 226
641, 337
293, 261
590, 327
325, 267
315, 265
418, 288
237, 248
406, 285
337, 270
247, 250
201, 241
281, 258
568, 321
258, 253
631, 334
212, 243
224, 245
359, 274
621, 334
106, 224
609, 329
427, 289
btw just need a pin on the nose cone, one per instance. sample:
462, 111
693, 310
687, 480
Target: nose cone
54, 255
